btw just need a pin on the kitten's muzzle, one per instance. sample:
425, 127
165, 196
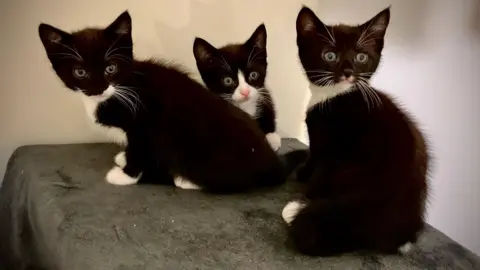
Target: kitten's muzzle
348, 72
348, 75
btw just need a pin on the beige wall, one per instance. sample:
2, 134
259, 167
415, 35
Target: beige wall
431, 63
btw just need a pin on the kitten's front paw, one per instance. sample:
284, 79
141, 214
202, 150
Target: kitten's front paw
120, 159
117, 176
291, 210
184, 183
274, 140
405, 249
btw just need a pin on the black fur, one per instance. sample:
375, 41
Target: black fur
176, 127
216, 64
366, 175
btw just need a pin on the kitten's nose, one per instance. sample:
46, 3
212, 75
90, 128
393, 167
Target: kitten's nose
348, 72
245, 92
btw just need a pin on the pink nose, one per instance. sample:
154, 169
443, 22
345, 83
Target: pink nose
245, 92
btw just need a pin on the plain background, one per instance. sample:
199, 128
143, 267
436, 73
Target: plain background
431, 64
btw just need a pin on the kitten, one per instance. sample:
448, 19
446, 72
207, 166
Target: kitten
178, 133
366, 175
237, 73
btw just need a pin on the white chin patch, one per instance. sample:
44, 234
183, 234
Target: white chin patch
274, 140
120, 159
291, 210
91, 103
248, 103
184, 183
116, 176
322, 93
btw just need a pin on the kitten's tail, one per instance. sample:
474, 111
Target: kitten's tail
317, 229
333, 227
292, 159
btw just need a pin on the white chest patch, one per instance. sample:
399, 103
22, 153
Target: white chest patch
322, 93
245, 96
91, 104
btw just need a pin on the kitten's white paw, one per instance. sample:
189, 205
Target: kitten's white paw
291, 210
116, 176
274, 140
121, 159
184, 183
405, 248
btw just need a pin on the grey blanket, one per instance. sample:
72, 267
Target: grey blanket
57, 212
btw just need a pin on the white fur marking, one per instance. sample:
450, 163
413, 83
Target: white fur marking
291, 210
184, 183
405, 248
274, 140
249, 104
91, 104
117, 176
322, 93
120, 159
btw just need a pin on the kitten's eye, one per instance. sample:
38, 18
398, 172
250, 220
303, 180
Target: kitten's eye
228, 81
330, 56
253, 75
111, 69
80, 73
361, 58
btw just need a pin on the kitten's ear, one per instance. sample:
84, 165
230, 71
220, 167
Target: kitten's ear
307, 22
377, 26
202, 50
122, 25
258, 38
52, 36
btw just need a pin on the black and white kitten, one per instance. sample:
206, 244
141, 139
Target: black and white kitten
237, 73
366, 176
177, 131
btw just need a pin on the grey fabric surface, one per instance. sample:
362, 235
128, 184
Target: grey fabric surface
57, 212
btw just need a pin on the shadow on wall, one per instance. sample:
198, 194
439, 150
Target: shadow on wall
475, 18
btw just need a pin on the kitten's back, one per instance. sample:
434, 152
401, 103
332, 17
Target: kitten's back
209, 140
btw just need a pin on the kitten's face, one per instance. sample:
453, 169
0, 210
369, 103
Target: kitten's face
340, 55
235, 72
92, 61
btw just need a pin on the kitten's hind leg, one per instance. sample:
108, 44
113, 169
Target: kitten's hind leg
120, 159
291, 210
117, 176
132, 172
184, 183
274, 140
405, 249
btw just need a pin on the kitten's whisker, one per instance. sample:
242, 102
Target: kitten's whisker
121, 98
364, 95
249, 55
322, 81
330, 34
72, 50
319, 71
331, 42
116, 49
370, 91
225, 63
364, 32
120, 57
127, 99
129, 92
111, 46
255, 56
66, 55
